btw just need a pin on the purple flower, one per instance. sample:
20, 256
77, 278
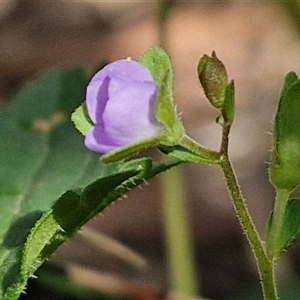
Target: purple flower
121, 102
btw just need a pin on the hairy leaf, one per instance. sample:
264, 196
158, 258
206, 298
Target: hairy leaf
50, 184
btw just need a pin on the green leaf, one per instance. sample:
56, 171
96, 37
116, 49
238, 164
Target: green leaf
285, 162
75, 207
290, 228
69, 213
50, 184
40, 157
159, 64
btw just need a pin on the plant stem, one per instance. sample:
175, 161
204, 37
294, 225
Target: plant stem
293, 10
277, 223
264, 264
165, 7
177, 230
204, 154
178, 235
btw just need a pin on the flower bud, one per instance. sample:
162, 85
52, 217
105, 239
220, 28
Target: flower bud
121, 100
213, 78
129, 107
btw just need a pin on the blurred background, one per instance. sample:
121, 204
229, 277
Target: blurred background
259, 42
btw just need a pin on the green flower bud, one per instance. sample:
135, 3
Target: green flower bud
285, 164
213, 78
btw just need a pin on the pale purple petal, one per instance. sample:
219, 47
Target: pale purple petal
96, 98
129, 114
96, 94
97, 141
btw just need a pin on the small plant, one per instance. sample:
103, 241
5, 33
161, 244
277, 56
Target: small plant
51, 184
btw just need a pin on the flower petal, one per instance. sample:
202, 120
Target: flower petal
96, 94
129, 115
97, 141
96, 98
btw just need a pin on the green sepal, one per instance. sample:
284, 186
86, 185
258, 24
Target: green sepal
228, 108
126, 151
285, 161
81, 119
289, 80
290, 228
159, 64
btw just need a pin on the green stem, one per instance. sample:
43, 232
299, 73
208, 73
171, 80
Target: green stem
265, 266
178, 235
177, 230
293, 10
189, 144
165, 7
277, 223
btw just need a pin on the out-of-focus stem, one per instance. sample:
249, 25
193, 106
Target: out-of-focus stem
178, 235
292, 7
165, 7
177, 230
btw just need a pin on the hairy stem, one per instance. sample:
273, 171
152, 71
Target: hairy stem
265, 265
194, 147
277, 223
